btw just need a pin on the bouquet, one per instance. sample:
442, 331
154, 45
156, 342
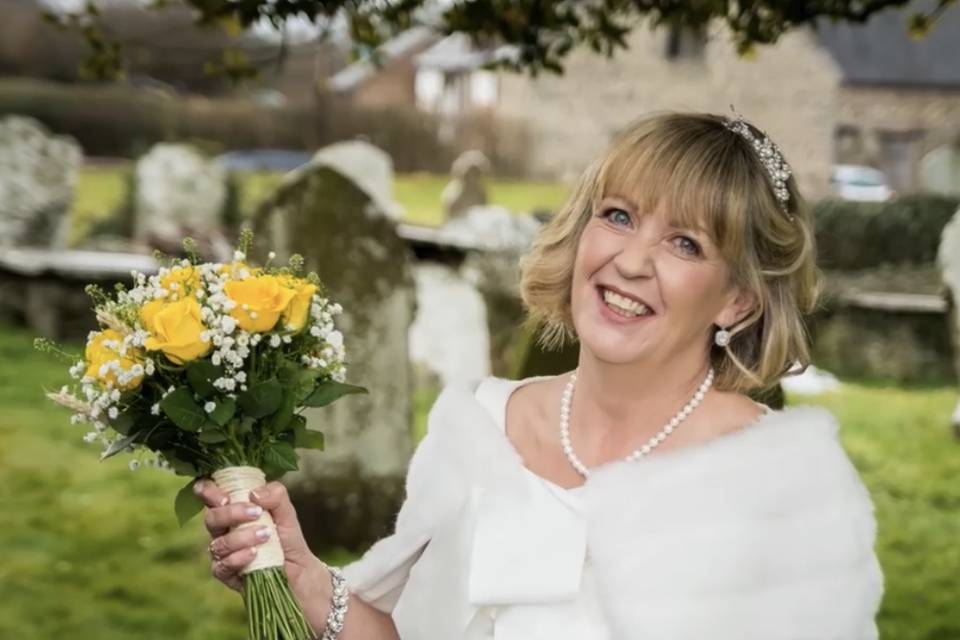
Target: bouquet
203, 369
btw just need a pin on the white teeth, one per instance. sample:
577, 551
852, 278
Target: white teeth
626, 305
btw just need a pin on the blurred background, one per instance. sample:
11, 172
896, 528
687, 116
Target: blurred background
410, 154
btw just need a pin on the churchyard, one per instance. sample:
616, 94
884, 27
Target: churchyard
425, 266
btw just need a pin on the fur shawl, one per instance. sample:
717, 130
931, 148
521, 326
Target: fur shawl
765, 533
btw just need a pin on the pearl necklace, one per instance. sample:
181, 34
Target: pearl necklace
642, 451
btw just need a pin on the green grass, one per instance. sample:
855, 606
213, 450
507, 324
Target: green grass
100, 190
92, 550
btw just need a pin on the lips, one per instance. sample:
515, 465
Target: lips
629, 296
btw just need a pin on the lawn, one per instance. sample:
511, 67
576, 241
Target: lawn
92, 550
100, 190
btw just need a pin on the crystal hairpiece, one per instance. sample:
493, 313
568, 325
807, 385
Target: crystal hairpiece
770, 156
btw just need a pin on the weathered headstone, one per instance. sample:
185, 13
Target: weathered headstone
343, 226
38, 172
466, 189
179, 193
449, 336
948, 258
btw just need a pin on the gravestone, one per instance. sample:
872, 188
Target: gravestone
449, 336
948, 258
467, 188
180, 193
337, 211
38, 173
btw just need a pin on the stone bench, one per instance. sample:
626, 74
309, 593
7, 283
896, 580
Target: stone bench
43, 289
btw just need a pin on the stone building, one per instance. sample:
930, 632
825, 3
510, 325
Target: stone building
862, 94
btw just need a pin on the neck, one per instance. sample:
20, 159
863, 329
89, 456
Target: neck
639, 397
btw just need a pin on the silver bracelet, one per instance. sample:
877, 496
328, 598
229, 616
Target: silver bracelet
338, 609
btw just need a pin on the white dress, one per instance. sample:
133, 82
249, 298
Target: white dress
762, 534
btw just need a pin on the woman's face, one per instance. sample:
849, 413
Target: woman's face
645, 290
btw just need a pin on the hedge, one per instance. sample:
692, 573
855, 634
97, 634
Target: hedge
862, 235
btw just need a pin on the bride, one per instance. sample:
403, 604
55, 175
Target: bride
644, 494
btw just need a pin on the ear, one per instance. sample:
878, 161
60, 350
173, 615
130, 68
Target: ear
740, 303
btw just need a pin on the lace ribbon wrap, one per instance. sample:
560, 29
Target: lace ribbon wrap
238, 482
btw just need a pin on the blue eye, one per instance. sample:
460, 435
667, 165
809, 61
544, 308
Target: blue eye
617, 216
687, 245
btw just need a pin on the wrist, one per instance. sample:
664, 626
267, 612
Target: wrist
316, 600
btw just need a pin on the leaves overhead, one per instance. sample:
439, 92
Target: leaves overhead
539, 34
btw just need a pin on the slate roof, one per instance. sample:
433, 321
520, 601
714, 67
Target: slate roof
881, 51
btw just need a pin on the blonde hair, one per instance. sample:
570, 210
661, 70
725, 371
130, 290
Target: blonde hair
710, 178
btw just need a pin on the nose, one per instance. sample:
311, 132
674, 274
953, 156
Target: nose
635, 260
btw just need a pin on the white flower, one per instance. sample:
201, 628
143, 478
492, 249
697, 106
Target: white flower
275, 341
134, 464
272, 255
210, 406
113, 412
215, 359
239, 255
335, 338
155, 409
90, 436
228, 324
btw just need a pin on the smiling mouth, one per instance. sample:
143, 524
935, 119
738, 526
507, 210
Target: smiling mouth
623, 306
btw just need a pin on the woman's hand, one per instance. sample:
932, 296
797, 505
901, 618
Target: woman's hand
231, 551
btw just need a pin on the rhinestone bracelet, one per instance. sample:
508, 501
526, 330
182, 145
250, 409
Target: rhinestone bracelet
338, 608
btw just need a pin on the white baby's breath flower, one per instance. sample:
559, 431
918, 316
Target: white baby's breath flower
155, 409
272, 255
215, 359
210, 406
113, 412
275, 340
134, 464
90, 436
239, 255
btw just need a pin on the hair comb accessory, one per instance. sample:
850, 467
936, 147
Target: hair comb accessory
770, 155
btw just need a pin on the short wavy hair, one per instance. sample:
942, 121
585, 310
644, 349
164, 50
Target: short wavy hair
710, 178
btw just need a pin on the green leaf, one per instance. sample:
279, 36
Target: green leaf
245, 426
180, 407
201, 374
117, 446
328, 391
124, 422
180, 466
305, 438
187, 504
226, 407
261, 399
212, 436
280, 456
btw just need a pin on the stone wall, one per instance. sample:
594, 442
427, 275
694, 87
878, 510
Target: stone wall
790, 90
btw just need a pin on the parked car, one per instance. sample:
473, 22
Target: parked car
859, 182
263, 160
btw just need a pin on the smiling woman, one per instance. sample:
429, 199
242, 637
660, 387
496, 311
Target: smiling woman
641, 495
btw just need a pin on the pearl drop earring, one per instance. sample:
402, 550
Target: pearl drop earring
721, 338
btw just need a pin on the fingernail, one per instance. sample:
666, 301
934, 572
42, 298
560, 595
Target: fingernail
254, 511
254, 495
263, 533
253, 550
224, 501
197, 487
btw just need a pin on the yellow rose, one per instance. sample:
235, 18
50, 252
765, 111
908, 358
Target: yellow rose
296, 314
186, 279
105, 347
264, 297
175, 329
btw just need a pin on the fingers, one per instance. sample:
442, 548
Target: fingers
227, 570
230, 543
210, 494
273, 497
219, 520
